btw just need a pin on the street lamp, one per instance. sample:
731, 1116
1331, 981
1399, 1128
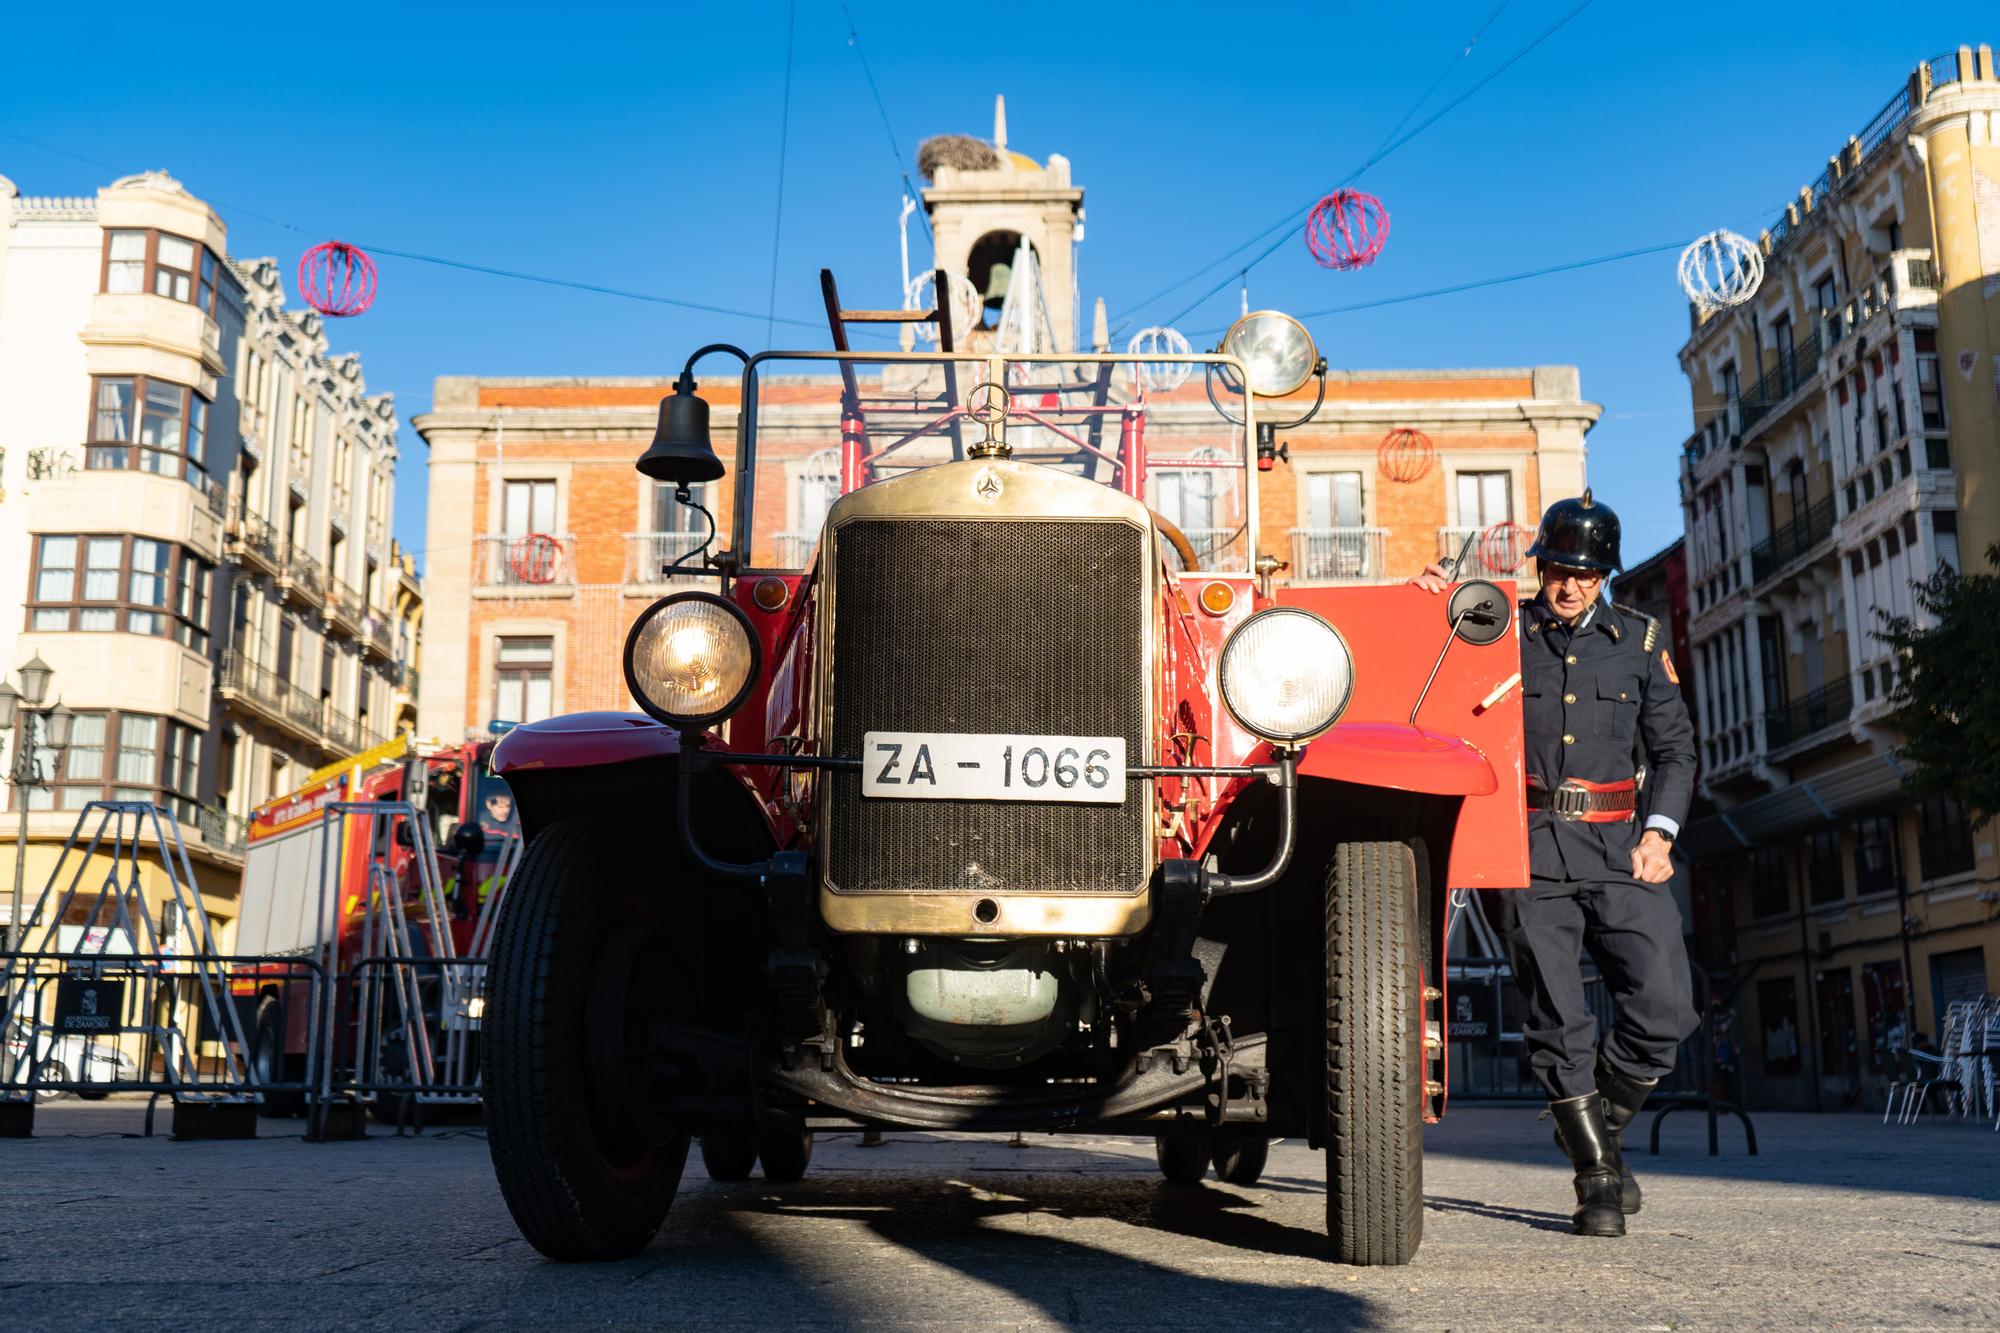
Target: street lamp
25, 773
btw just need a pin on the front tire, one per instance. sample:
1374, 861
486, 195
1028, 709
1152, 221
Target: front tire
1183, 1158
1374, 1055
1240, 1161
785, 1155
268, 1062
587, 1171
728, 1155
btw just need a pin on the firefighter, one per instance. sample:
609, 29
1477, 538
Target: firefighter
1600, 699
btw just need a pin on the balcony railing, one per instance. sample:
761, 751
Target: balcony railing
271, 694
251, 536
1792, 542
1498, 551
1783, 380
794, 548
303, 574
378, 634
52, 464
344, 605
648, 554
407, 680
527, 562
1339, 555
1828, 706
222, 831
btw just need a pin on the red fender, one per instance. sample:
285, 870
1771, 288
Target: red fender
584, 740
1405, 758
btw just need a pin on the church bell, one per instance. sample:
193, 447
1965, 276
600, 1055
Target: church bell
681, 453
998, 279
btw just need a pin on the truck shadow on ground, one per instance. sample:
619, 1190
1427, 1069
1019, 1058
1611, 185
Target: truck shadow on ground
997, 1230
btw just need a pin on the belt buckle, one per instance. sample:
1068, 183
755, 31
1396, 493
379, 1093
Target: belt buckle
1568, 801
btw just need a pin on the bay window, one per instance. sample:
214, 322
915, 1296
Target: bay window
150, 424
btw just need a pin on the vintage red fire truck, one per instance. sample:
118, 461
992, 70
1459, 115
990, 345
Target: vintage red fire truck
1009, 798
301, 899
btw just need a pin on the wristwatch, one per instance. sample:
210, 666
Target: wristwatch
1667, 835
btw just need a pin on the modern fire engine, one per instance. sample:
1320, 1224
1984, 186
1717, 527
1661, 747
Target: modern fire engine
314, 873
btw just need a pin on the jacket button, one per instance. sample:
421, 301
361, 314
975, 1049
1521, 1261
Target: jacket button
1572, 659
1569, 740
1623, 695
1569, 698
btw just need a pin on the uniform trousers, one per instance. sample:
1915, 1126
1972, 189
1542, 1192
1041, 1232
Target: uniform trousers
1633, 931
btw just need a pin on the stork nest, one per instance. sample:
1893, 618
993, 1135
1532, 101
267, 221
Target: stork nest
955, 150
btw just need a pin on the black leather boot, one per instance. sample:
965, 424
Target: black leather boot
1623, 1097
1581, 1130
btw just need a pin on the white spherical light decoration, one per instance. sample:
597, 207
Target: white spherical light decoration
966, 304
1720, 270
1159, 376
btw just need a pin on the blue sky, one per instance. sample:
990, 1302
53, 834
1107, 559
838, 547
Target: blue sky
639, 148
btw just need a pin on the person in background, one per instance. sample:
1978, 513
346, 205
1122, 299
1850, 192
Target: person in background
1600, 697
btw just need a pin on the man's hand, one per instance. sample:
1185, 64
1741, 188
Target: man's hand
1433, 579
1653, 859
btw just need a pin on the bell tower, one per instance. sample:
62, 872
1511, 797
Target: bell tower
984, 200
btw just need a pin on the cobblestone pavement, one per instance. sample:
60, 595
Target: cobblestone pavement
1841, 1221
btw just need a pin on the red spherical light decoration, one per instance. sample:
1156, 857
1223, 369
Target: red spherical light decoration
1405, 455
1503, 548
1346, 230
337, 279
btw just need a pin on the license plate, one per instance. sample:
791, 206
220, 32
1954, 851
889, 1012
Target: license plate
962, 766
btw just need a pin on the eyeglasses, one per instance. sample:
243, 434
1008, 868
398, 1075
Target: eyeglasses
1583, 578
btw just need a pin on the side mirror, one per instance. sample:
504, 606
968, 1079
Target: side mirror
1478, 612
404, 837
469, 840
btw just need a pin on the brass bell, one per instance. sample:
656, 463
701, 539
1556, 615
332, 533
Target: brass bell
681, 453
998, 280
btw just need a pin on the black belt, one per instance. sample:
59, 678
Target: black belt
1591, 802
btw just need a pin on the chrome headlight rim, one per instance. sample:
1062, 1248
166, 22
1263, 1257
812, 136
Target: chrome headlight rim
750, 677
1289, 740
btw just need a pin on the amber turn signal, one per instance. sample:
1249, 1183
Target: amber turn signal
1217, 598
770, 594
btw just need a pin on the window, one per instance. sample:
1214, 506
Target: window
1824, 295
1333, 500
1875, 868
1778, 1017
1782, 333
125, 757
1823, 878
167, 422
134, 584
161, 263
1944, 838
125, 262
1770, 883
1930, 389
524, 680
528, 506
669, 515
173, 268
301, 440
1732, 387
1485, 498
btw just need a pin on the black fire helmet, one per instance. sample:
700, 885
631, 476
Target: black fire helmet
1579, 534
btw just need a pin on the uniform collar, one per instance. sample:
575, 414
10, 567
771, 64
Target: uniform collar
1544, 617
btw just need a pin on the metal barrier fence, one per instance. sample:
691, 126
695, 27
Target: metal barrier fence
107, 995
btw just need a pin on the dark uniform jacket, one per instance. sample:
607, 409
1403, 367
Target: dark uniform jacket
1597, 703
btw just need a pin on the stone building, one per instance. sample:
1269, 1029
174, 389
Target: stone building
195, 516
544, 543
1846, 444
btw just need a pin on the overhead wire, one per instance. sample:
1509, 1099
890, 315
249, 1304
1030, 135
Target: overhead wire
1393, 144
1498, 280
895, 147
784, 142
466, 265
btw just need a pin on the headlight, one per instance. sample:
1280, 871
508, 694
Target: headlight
691, 658
1275, 348
1286, 674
